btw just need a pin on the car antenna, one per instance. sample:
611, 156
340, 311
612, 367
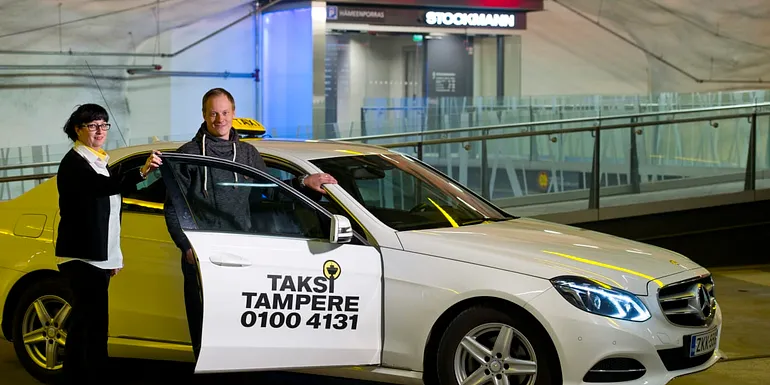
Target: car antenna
106, 103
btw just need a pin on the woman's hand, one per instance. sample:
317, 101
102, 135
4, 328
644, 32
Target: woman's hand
152, 163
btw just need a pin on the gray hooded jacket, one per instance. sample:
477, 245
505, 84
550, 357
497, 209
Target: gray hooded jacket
215, 202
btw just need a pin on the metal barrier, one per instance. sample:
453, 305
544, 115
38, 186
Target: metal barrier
750, 176
592, 148
596, 120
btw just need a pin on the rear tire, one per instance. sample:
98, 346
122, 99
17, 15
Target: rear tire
486, 344
41, 315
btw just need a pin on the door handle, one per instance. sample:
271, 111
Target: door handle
229, 260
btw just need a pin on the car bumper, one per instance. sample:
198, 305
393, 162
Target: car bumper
583, 340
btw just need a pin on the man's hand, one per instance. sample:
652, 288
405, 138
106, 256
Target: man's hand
188, 255
316, 181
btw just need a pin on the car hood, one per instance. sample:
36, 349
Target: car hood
547, 250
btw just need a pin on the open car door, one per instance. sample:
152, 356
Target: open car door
285, 283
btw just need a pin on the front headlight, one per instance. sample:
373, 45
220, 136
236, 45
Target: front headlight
598, 298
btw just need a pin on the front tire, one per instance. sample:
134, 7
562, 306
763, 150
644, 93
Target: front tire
484, 345
40, 328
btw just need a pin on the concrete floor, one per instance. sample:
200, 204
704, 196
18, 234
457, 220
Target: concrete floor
743, 293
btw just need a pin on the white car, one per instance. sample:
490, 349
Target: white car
401, 274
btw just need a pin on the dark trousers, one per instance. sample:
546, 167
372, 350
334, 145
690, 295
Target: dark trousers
193, 303
85, 353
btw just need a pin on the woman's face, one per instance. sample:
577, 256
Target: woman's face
93, 134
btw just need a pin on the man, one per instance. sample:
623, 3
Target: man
216, 137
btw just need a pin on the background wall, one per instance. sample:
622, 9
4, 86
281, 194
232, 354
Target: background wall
141, 105
570, 48
372, 67
485, 66
565, 54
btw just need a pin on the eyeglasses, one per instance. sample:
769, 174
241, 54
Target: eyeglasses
93, 126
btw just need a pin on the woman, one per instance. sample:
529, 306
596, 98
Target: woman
88, 240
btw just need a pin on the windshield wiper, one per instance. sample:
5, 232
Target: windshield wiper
500, 219
482, 220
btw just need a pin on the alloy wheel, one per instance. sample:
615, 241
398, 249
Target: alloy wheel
43, 330
495, 353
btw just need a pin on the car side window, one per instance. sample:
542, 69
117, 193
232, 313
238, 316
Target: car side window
225, 201
284, 172
150, 194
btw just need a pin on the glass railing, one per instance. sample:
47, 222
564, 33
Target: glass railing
563, 167
378, 116
547, 165
398, 115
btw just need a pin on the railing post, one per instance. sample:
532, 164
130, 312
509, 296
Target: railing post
484, 167
419, 150
593, 196
363, 122
751, 158
634, 162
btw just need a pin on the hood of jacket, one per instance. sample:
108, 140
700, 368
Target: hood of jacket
216, 147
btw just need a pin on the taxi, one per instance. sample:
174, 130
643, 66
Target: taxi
398, 274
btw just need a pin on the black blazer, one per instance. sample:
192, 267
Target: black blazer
84, 206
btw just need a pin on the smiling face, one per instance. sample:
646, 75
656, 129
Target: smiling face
93, 134
218, 113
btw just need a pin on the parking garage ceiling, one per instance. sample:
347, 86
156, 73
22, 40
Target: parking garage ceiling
101, 25
712, 41
708, 41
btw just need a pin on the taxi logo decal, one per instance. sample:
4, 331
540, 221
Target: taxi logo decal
293, 301
331, 270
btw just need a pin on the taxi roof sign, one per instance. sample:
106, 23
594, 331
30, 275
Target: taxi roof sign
248, 128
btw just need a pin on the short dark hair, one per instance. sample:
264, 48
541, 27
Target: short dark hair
85, 113
216, 92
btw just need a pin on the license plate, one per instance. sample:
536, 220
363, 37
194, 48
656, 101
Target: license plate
703, 343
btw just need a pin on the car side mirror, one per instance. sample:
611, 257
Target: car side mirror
341, 231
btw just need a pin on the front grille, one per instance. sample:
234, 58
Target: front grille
615, 370
689, 303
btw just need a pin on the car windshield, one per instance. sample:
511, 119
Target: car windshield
406, 195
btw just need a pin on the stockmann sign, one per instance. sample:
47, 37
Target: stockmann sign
470, 19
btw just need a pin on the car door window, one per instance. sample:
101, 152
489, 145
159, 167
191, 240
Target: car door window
222, 200
285, 172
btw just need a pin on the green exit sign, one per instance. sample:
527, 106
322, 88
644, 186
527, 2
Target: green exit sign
416, 37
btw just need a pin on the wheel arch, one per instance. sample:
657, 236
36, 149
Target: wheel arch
438, 328
14, 295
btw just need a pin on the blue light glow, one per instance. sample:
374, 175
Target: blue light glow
287, 72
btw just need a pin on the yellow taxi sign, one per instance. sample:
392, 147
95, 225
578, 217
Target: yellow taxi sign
248, 128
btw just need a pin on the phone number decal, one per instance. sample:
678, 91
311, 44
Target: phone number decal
293, 320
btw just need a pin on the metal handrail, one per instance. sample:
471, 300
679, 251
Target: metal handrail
503, 126
423, 142
597, 119
463, 139
596, 128
28, 165
27, 177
